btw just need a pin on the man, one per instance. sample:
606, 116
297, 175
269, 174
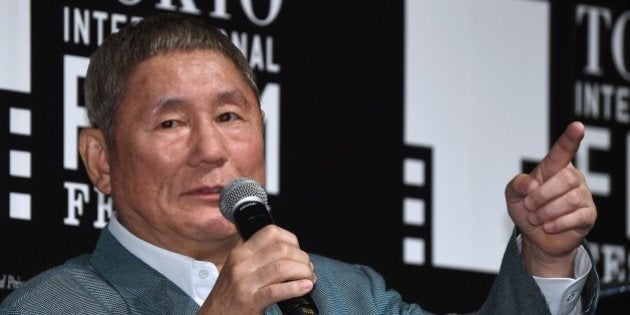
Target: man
176, 115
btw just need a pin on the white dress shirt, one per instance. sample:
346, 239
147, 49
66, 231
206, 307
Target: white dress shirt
196, 278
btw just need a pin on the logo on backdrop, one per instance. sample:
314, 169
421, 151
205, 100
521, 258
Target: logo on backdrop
15, 78
601, 99
78, 26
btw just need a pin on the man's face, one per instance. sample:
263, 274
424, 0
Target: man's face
188, 124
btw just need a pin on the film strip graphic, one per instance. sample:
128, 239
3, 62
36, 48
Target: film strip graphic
15, 76
19, 163
417, 205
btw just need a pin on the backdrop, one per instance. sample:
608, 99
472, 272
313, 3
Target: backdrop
392, 127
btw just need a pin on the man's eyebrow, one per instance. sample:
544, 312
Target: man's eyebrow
232, 96
165, 103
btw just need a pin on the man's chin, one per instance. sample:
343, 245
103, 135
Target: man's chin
219, 228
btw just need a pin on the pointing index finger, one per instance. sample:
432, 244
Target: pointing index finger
562, 151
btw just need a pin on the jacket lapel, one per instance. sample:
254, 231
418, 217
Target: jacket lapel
143, 288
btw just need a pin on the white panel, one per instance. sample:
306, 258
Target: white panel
15, 45
270, 102
413, 251
20, 163
413, 211
19, 206
476, 93
20, 121
413, 171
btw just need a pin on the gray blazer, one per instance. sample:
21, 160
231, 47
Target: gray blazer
113, 281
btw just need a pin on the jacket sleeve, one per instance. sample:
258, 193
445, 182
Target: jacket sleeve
514, 291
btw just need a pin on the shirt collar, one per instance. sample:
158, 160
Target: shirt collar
196, 278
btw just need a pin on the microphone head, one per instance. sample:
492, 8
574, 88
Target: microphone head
238, 189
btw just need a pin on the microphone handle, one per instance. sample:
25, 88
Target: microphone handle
301, 305
251, 217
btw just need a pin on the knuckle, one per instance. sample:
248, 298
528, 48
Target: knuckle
592, 215
273, 230
584, 218
282, 249
280, 267
574, 198
293, 239
572, 177
533, 219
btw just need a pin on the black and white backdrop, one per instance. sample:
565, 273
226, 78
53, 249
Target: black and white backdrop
392, 127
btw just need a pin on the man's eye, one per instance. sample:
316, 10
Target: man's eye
167, 124
225, 117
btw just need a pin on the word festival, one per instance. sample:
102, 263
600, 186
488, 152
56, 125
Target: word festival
613, 260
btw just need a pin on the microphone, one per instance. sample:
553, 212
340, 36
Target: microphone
244, 202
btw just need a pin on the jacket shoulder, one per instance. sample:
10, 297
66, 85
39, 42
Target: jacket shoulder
72, 287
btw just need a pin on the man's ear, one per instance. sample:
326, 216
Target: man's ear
95, 156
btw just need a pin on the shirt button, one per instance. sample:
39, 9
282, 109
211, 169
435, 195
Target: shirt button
571, 296
203, 273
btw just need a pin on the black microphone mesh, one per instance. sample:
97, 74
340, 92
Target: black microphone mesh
235, 191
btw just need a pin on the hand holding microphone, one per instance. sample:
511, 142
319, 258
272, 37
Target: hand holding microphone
269, 267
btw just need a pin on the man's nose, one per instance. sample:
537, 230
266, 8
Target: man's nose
208, 145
